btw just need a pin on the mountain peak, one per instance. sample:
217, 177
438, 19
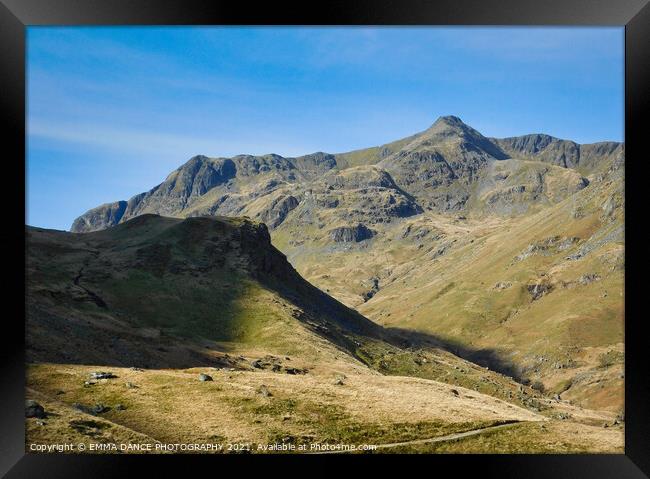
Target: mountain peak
452, 128
451, 125
449, 120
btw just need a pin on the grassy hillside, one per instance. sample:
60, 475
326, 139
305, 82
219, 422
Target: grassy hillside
157, 301
537, 296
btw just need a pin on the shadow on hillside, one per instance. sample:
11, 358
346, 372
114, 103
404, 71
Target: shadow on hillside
166, 317
69, 336
485, 357
321, 309
90, 344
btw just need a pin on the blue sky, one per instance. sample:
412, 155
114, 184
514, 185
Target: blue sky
113, 110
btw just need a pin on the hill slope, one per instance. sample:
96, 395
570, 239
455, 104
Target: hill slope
155, 301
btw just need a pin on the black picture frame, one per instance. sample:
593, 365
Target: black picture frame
16, 15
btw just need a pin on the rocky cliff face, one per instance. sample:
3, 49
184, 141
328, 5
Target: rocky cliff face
564, 153
101, 217
347, 234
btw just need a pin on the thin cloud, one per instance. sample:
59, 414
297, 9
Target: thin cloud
153, 144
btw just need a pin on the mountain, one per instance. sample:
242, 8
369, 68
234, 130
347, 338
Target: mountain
448, 167
543, 290
163, 330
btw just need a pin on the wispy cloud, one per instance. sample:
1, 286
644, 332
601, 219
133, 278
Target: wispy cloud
150, 143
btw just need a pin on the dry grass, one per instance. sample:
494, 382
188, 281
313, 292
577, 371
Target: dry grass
173, 406
531, 438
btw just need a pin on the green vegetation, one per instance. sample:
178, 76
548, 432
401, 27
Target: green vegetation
610, 358
330, 423
227, 307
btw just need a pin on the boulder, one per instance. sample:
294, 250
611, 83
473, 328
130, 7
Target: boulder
537, 290
94, 410
257, 364
585, 279
101, 375
34, 409
264, 391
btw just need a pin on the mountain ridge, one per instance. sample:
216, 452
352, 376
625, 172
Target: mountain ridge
451, 152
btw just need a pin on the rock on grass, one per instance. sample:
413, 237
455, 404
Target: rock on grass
34, 409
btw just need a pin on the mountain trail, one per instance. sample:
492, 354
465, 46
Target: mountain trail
448, 437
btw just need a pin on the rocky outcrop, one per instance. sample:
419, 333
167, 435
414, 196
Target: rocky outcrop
361, 177
565, 153
34, 409
192, 180
364, 193
513, 187
278, 210
586, 279
251, 166
99, 218
315, 164
547, 247
543, 148
539, 289
349, 234
374, 289
501, 285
